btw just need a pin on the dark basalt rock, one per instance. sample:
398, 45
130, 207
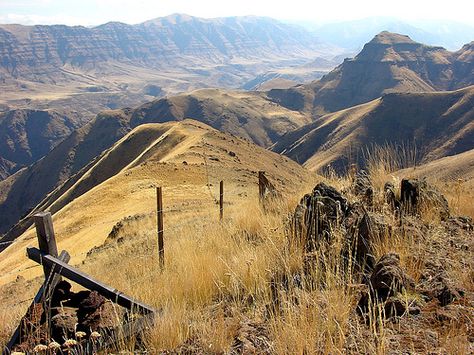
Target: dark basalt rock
418, 194
63, 324
320, 214
363, 188
388, 278
390, 196
386, 284
317, 215
324, 190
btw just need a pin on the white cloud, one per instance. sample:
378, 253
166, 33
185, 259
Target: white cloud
45, 20
89, 12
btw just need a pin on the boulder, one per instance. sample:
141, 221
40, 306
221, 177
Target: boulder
417, 195
362, 187
386, 284
317, 215
63, 324
104, 318
388, 278
390, 196
363, 229
324, 190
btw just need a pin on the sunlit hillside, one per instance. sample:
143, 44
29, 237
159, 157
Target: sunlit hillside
247, 284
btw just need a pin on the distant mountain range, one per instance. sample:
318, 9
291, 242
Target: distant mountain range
31, 51
87, 70
352, 35
394, 82
388, 63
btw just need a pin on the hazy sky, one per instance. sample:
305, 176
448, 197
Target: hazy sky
93, 12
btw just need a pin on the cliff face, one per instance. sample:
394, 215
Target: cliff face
32, 50
389, 63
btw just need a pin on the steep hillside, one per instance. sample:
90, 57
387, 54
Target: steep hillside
22, 191
438, 124
453, 169
389, 63
247, 115
187, 158
28, 135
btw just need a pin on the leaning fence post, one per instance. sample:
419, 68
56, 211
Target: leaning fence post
161, 247
46, 238
261, 186
221, 200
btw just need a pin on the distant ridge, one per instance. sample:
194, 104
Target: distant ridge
30, 51
88, 70
389, 63
438, 124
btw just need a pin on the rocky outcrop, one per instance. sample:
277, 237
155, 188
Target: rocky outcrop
362, 187
324, 215
418, 196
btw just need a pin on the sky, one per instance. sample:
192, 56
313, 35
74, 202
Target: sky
95, 12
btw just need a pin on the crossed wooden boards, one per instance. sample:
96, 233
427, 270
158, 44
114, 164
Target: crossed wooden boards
55, 266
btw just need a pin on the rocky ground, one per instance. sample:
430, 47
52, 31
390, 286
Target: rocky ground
398, 256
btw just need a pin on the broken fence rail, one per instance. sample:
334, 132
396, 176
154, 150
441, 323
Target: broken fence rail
88, 282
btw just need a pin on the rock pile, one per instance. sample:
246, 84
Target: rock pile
326, 215
325, 212
72, 316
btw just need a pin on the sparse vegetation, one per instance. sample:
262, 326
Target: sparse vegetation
218, 293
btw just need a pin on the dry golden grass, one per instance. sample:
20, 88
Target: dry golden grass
219, 275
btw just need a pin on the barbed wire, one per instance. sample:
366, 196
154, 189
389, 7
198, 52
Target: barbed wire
208, 180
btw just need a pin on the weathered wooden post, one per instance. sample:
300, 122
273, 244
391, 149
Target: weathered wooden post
261, 186
221, 199
46, 238
161, 246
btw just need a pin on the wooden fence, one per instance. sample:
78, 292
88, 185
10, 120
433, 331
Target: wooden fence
55, 267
